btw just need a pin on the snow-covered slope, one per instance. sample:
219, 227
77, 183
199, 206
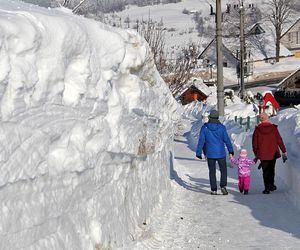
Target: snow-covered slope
86, 128
181, 29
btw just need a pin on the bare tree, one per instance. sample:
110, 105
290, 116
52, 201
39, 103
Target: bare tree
182, 68
174, 72
154, 34
75, 9
280, 11
65, 3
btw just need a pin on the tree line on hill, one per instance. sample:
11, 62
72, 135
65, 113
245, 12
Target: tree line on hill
97, 6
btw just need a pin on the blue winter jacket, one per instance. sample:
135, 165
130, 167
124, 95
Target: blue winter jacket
214, 135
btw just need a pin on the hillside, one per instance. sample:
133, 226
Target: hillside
181, 29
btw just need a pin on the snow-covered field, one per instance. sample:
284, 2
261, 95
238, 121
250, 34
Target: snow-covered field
86, 131
172, 16
184, 27
181, 31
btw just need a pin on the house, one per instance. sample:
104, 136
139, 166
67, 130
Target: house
260, 46
209, 55
195, 90
255, 29
292, 81
291, 38
288, 91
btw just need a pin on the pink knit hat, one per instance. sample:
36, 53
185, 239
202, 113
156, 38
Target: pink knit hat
243, 153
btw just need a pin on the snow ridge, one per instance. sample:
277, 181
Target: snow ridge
86, 131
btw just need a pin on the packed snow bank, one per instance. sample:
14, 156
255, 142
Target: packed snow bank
289, 125
86, 131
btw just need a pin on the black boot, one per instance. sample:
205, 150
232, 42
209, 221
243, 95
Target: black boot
224, 191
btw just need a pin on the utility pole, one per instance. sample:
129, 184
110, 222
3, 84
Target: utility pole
220, 87
242, 50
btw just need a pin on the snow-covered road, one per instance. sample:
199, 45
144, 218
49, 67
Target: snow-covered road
196, 220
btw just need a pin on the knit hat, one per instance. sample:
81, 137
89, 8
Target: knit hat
263, 117
214, 114
243, 153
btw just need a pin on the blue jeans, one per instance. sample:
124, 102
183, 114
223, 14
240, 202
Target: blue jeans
212, 172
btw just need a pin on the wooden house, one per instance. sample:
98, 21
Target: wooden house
195, 90
291, 38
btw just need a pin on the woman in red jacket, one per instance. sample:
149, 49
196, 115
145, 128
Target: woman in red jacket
266, 142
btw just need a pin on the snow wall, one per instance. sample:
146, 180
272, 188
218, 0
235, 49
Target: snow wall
86, 131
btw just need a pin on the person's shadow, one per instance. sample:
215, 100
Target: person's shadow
271, 210
201, 186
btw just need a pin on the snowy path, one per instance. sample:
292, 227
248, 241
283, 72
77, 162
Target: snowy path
197, 220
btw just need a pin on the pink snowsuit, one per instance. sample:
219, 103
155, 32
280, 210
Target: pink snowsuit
244, 173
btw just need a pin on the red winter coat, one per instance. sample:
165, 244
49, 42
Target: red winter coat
266, 142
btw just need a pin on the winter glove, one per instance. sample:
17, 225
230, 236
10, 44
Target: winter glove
259, 166
284, 157
231, 153
199, 156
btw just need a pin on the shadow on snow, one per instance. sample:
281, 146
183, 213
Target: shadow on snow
273, 210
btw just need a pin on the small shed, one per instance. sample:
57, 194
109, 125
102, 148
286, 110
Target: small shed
195, 90
269, 105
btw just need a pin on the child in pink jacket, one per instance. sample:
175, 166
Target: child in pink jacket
243, 163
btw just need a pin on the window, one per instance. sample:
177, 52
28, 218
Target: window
294, 37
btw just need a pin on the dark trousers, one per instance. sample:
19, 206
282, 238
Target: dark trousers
212, 172
268, 168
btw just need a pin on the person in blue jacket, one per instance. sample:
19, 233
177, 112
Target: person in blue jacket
214, 136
